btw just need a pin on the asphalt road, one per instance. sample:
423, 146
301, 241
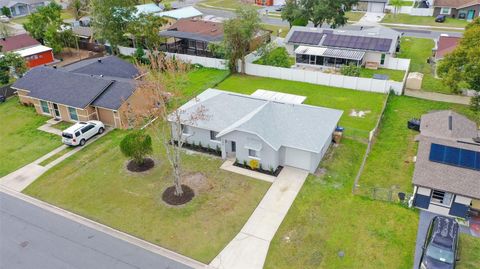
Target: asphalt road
31, 237
433, 34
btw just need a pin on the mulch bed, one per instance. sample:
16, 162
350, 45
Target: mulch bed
146, 165
274, 173
170, 198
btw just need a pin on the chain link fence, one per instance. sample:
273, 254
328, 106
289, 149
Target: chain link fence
393, 195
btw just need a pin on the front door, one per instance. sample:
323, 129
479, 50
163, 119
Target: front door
56, 110
234, 146
470, 15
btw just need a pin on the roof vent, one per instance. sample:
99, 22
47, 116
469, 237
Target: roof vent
54, 67
213, 30
99, 60
476, 139
450, 123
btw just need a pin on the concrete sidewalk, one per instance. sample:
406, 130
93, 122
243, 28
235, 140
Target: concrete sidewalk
434, 96
20, 179
249, 248
371, 18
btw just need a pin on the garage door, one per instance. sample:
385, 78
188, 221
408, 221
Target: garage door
376, 7
106, 116
297, 158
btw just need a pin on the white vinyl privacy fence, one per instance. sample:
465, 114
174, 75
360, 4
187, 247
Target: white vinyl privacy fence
204, 61
321, 78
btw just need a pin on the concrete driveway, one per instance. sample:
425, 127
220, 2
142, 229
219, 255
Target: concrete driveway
423, 223
249, 248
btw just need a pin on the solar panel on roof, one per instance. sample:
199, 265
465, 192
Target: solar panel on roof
303, 37
455, 156
357, 42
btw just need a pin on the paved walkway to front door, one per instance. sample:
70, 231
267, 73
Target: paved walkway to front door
249, 248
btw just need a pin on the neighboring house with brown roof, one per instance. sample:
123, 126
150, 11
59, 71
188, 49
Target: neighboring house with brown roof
93, 89
34, 53
445, 44
193, 37
447, 170
460, 9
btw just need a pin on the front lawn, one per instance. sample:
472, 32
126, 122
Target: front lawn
327, 220
62, 125
354, 15
275, 29
423, 20
469, 252
419, 50
20, 141
395, 75
224, 4
318, 95
94, 183
390, 163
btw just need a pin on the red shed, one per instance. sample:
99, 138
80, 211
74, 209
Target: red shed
29, 48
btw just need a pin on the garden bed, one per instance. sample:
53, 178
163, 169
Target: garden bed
272, 172
201, 149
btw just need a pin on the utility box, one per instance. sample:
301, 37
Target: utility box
414, 81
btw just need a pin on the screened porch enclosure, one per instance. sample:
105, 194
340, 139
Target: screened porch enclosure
328, 57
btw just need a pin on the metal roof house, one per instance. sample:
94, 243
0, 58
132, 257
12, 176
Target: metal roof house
447, 170
255, 127
93, 89
372, 46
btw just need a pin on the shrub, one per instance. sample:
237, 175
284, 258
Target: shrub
300, 22
275, 57
136, 145
6, 11
350, 70
254, 164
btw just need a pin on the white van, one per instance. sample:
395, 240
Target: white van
80, 132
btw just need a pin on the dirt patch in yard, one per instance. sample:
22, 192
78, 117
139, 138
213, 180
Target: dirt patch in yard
147, 164
197, 181
170, 198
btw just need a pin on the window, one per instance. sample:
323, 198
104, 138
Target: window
185, 129
73, 113
45, 108
86, 128
213, 136
445, 11
382, 59
442, 198
191, 44
252, 153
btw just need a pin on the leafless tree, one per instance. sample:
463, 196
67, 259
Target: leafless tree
161, 91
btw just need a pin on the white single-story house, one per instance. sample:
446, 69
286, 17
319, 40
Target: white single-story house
259, 127
372, 46
375, 6
447, 170
19, 8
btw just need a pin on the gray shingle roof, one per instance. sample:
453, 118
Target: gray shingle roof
115, 95
59, 86
444, 177
436, 124
278, 124
435, 128
110, 66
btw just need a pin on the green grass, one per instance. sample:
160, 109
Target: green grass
389, 164
423, 20
94, 183
65, 14
20, 141
469, 252
202, 79
419, 50
396, 75
318, 95
56, 156
62, 125
326, 218
224, 4
276, 28
355, 16
407, 3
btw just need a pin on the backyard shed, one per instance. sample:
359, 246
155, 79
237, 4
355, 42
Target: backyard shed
414, 81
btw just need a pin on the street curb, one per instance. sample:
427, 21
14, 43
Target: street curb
421, 26
105, 229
